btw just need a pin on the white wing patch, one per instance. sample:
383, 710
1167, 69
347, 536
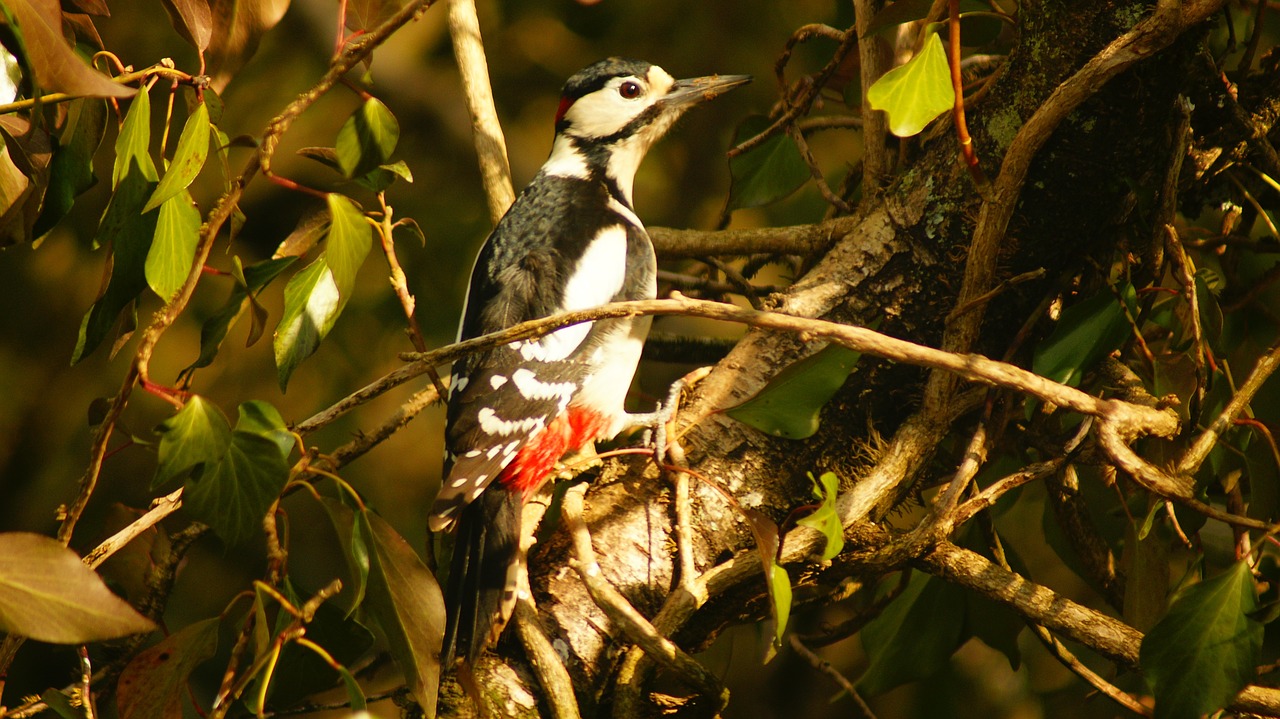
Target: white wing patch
491, 423
534, 389
594, 280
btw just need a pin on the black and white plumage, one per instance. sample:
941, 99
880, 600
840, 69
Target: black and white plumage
570, 241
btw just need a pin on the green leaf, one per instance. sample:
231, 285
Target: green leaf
188, 159
1086, 332
215, 329
262, 418
825, 519
915, 636
768, 172
380, 178
405, 601
133, 145
780, 596
351, 528
916, 92
311, 306
71, 170
367, 138
790, 405
48, 594
1211, 317
234, 494
154, 684
197, 435
350, 238
128, 233
1206, 648
173, 249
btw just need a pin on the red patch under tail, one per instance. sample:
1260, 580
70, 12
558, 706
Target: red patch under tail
568, 432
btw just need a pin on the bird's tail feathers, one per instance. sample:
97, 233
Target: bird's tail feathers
481, 593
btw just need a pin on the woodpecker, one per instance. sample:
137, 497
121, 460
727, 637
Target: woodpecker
570, 241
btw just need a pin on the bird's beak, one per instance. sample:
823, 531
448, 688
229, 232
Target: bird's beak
691, 91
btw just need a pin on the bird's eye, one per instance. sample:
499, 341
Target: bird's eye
629, 89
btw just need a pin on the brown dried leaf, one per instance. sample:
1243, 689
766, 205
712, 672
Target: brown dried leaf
154, 684
57, 67
238, 25
192, 19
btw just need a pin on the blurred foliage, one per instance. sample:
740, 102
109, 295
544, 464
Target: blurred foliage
397, 142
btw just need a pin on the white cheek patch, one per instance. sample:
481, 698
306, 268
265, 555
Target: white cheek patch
605, 111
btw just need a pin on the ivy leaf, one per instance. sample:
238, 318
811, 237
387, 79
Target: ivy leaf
234, 491
367, 138
234, 494
1086, 332
405, 601
380, 178
768, 172
915, 636
154, 684
262, 418
188, 159
48, 594
350, 238
1206, 648
198, 435
173, 249
789, 406
916, 92
311, 306
825, 519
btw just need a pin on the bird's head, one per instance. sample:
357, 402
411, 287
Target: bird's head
612, 112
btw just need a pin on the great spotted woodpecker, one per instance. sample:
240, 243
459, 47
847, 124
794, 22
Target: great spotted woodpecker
570, 241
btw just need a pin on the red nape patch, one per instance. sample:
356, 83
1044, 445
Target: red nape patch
565, 104
566, 433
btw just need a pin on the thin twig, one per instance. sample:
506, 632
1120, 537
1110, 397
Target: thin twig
160, 508
805, 240
824, 666
1199, 450
1069, 660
